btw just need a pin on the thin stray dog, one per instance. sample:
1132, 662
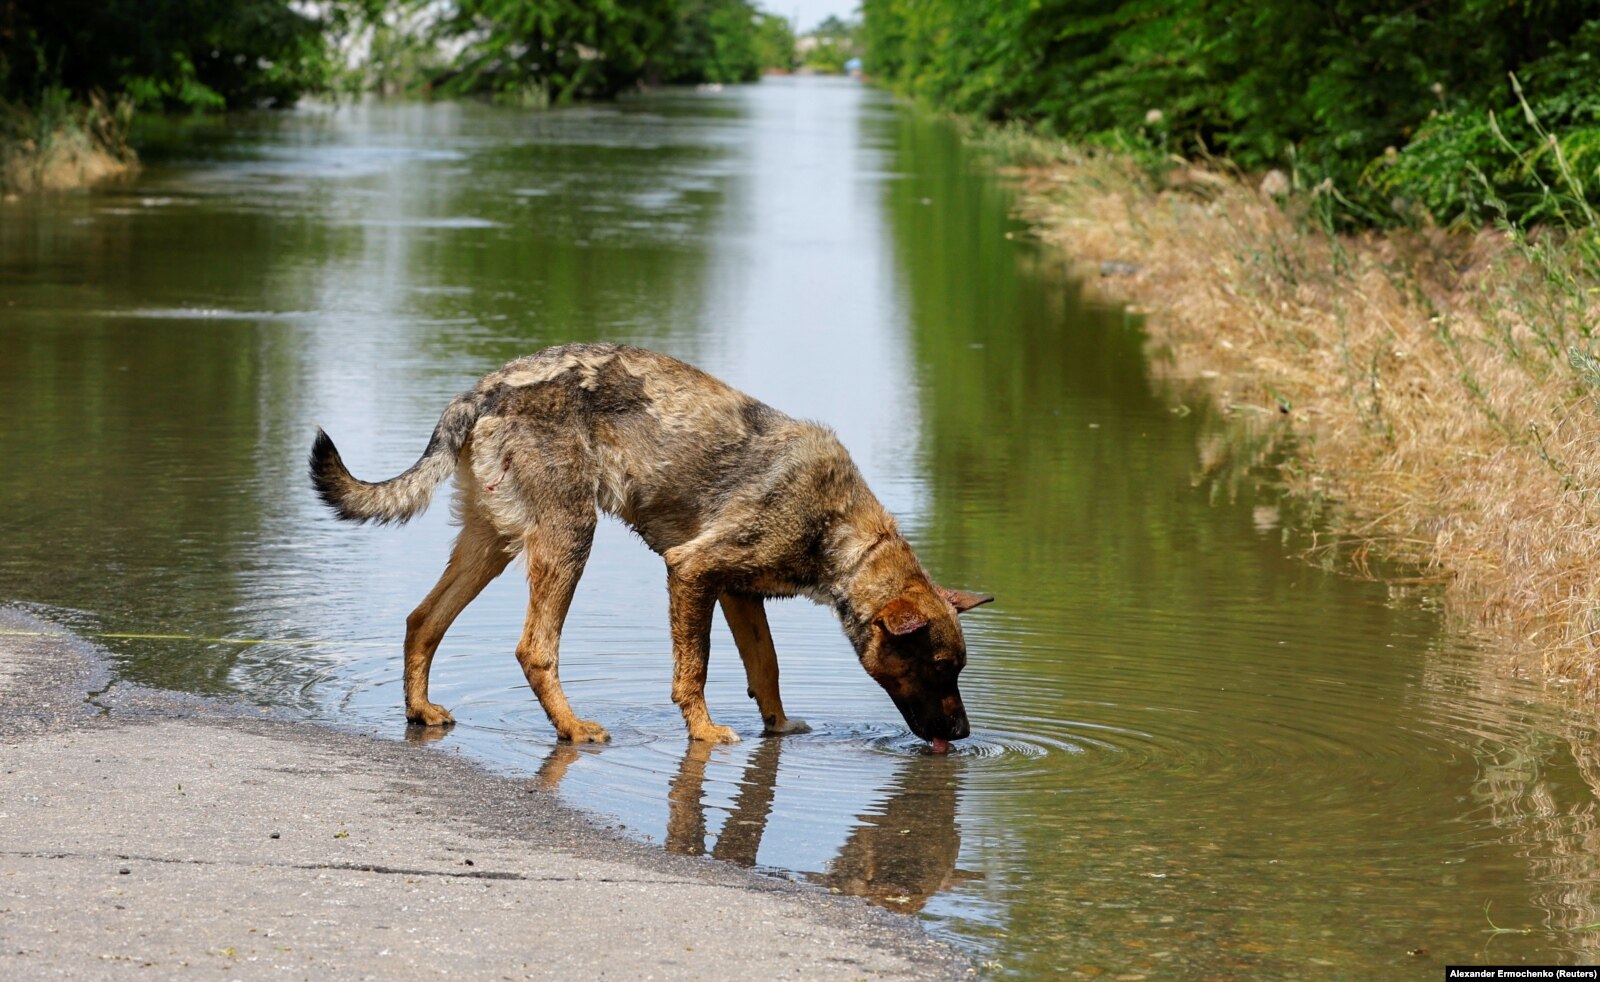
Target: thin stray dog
743, 503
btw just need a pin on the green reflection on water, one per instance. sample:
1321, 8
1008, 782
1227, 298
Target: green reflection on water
162, 343
1271, 762
99, 512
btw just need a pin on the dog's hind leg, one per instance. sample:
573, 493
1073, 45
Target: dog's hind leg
747, 619
557, 547
479, 555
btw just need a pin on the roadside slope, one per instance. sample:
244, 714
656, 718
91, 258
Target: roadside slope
1441, 390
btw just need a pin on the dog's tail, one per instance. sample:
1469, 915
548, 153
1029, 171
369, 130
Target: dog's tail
401, 498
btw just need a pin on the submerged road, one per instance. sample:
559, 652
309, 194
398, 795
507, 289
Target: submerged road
147, 832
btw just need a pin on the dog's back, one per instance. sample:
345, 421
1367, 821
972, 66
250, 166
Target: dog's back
662, 445
657, 442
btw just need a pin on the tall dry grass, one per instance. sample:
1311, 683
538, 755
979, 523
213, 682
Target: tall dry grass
60, 144
1442, 387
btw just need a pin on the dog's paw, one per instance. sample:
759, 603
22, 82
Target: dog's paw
791, 725
585, 731
714, 734
430, 714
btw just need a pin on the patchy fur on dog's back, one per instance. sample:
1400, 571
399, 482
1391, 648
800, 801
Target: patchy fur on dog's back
743, 502
662, 444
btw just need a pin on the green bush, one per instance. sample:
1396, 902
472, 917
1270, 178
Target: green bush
1535, 156
1326, 88
223, 54
196, 54
725, 41
774, 43
578, 49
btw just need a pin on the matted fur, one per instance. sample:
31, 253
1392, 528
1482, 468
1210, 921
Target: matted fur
743, 503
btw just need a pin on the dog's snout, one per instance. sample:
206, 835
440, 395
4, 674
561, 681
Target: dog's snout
955, 717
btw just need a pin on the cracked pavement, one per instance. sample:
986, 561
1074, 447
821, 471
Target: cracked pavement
156, 835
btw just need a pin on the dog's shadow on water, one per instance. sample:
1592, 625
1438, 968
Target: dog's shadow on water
897, 855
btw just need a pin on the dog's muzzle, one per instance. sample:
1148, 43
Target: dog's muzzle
936, 724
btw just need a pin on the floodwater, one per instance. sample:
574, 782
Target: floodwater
1194, 752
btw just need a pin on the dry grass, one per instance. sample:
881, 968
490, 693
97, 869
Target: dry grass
1441, 386
58, 147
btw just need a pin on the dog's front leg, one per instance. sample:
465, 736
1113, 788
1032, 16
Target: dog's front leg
692, 600
747, 619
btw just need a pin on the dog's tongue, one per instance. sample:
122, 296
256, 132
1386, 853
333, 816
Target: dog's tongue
940, 746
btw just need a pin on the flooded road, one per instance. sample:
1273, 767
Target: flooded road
1194, 752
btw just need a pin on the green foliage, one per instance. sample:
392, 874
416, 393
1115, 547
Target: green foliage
830, 45
827, 56
774, 43
196, 54
714, 41
1535, 155
179, 86
578, 49
389, 48
1325, 88
569, 49
223, 54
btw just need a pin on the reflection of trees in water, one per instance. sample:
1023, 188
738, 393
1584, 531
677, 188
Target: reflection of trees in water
608, 222
1542, 793
134, 441
163, 410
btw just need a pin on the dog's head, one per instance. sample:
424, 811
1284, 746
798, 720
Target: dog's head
916, 651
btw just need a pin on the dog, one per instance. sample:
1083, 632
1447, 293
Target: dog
742, 502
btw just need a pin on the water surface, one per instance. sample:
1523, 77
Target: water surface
1193, 752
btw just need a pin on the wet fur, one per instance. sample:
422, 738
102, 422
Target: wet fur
743, 503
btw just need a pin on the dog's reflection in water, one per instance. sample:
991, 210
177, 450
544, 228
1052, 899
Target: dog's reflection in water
421, 735
897, 855
740, 837
902, 855
562, 756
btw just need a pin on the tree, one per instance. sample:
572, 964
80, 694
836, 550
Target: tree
173, 53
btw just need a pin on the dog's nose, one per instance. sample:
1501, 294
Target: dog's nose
959, 730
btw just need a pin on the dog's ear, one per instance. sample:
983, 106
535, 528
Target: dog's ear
900, 616
963, 601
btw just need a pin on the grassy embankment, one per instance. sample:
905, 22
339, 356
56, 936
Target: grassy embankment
1437, 383
60, 144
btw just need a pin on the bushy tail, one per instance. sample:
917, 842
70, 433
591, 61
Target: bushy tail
401, 498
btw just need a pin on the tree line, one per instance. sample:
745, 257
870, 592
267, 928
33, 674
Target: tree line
226, 54
1470, 110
